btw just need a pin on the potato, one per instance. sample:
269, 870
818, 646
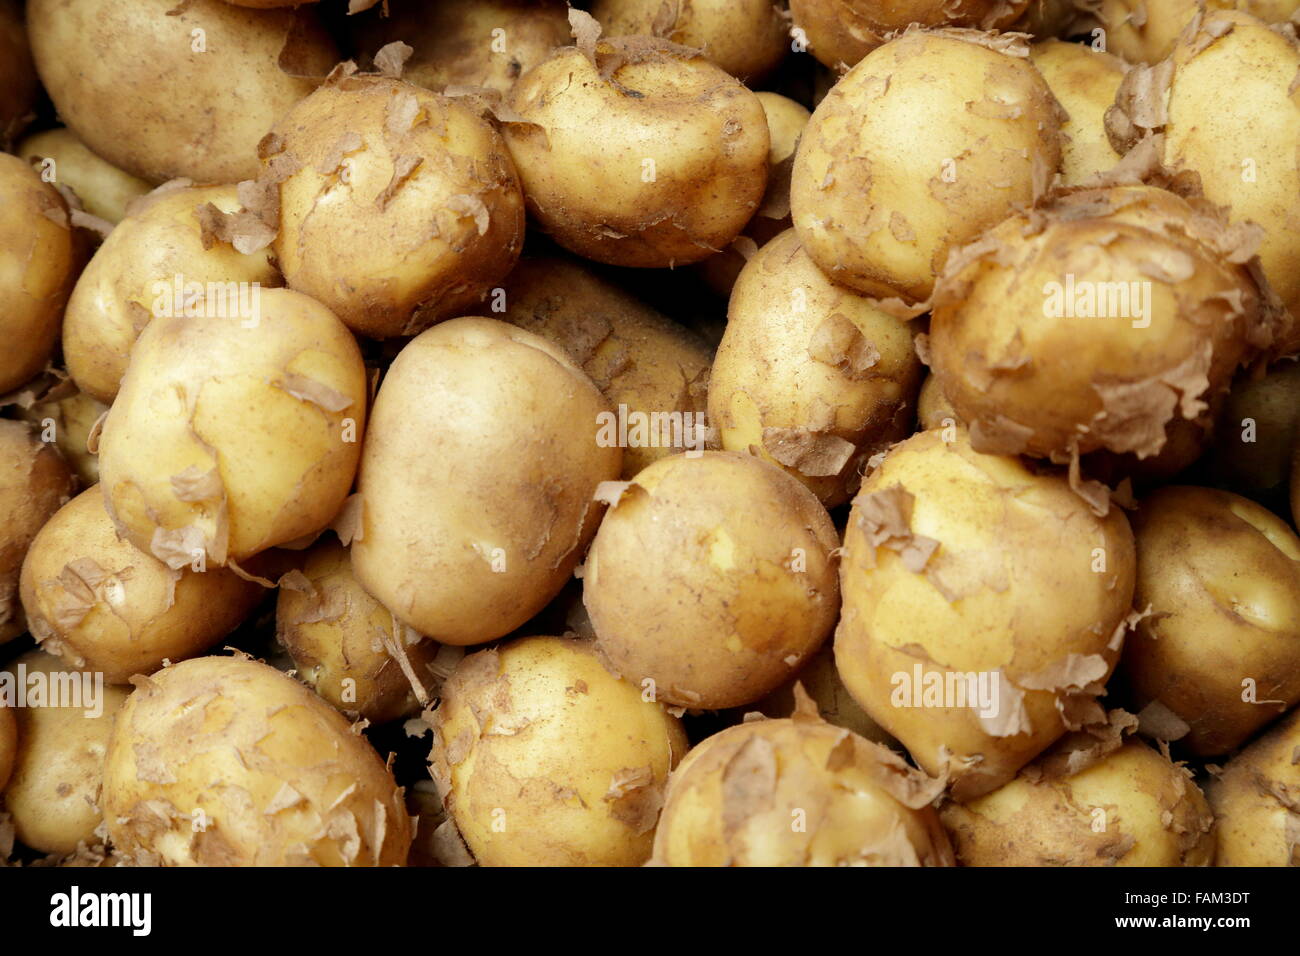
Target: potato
1254, 801
230, 437
1115, 311
8, 743
54, 795
1047, 19
933, 410
39, 259
1221, 651
821, 682
682, 160
18, 84
1257, 430
544, 758
1145, 32
926, 143
220, 761
642, 362
1129, 807
1084, 81
163, 260
694, 599
106, 607
398, 207
798, 792
104, 190
34, 483
984, 607
69, 419
477, 478
844, 31
342, 640
747, 38
161, 92
483, 43
810, 375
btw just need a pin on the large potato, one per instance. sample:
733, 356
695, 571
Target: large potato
232, 436
477, 479
219, 761
1129, 807
798, 792
34, 483
984, 607
18, 84
544, 758
681, 164
106, 607
810, 376
163, 91
104, 190
1084, 81
1256, 801
712, 579
69, 419
161, 261
1221, 650
925, 144
653, 371
54, 795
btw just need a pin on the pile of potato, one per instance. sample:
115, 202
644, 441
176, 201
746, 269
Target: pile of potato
669, 432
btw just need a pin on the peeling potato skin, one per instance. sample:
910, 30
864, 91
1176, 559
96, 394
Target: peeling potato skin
635, 356
735, 797
341, 644
817, 363
124, 79
1256, 800
393, 255
8, 743
531, 743
279, 775
1150, 36
18, 83
1084, 82
34, 483
483, 437
881, 219
1041, 819
74, 417
115, 294
1223, 577
104, 606
206, 392
686, 588
1015, 552
54, 794
104, 190
706, 133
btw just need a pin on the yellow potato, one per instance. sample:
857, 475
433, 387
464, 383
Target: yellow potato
1144, 31
933, 410
1084, 81
18, 84
1254, 801
104, 190
69, 420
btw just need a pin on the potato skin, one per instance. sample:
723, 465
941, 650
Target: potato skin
688, 591
118, 293
957, 562
125, 79
54, 794
71, 418
389, 246
104, 190
735, 797
1154, 815
477, 478
810, 376
704, 132
104, 606
544, 758
18, 83
230, 439
821, 682
279, 776
1084, 81
1222, 576
1254, 800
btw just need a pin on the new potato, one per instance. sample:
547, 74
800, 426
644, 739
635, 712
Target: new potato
70, 419
1257, 431
1084, 81
1256, 800
104, 190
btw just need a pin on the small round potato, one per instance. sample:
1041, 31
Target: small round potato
1130, 807
798, 792
544, 758
161, 261
477, 480
104, 190
681, 165
984, 607
1084, 81
54, 794
398, 207
106, 607
1221, 649
163, 91
19, 87
810, 375
69, 420
712, 579
1254, 800
230, 436
921, 147
933, 410
219, 761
